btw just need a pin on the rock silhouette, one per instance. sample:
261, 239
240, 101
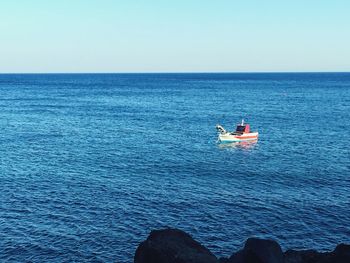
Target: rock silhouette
172, 246
258, 251
175, 246
341, 254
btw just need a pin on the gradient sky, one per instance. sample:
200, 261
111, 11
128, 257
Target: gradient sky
174, 36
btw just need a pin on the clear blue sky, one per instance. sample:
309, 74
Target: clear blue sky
174, 36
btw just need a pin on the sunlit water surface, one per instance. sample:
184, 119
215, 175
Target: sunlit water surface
90, 164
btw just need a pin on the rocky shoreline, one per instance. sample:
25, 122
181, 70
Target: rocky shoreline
175, 246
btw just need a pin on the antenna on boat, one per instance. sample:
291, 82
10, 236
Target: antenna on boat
242, 122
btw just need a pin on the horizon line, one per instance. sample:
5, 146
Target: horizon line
175, 72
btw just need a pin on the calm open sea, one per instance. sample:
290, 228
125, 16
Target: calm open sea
91, 163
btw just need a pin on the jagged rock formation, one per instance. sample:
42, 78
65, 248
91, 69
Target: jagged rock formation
176, 246
172, 246
341, 254
258, 251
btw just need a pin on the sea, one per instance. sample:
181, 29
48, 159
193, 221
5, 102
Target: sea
91, 163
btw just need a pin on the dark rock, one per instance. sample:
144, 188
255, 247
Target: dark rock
258, 251
176, 246
172, 246
309, 256
341, 254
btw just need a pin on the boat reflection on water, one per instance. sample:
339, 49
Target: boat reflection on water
247, 145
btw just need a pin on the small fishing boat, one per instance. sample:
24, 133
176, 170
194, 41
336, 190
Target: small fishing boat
241, 134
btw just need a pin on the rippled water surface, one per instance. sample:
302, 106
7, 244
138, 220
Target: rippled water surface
91, 163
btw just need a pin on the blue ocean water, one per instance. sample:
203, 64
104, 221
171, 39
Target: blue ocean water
91, 163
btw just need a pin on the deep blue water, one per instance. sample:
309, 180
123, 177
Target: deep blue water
90, 164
